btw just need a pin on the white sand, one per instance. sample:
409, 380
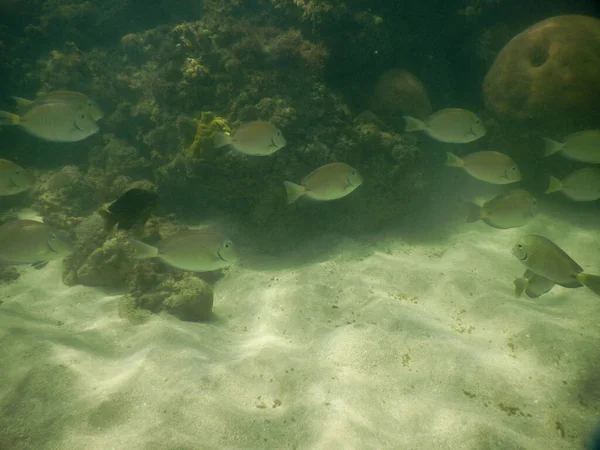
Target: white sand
391, 344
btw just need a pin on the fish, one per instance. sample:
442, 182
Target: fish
32, 242
532, 284
14, 178
329, 182
582, 146
58, 122
582, 185
489, 166
257, 138
507, 210
134, 207
195, 250
546, 259
81, 102
451, 125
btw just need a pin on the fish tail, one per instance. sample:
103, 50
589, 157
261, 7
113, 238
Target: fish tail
142, 250
592, 282
453, 160
109, 220
294, 191
413, 124
552, 147
474, 213
7, 119
555, 185
519, 286
221, 139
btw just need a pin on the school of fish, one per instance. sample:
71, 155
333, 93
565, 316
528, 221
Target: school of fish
67, 116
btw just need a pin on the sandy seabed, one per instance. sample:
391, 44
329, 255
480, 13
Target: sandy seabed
384, 342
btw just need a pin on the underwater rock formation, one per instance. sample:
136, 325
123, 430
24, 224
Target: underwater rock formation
399, 92
182, 294
551, 68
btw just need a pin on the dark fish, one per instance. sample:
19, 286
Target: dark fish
134, 207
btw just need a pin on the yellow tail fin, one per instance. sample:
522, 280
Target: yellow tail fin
453, 160
294, 191
413, 124
552, 147
592, 282
7, 119
555, 185
519, 286
474, 213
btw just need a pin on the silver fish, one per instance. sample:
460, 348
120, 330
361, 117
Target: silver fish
59, 122
199, 250
582, 146
30, 242
14, 178
80, 102
508, 210
257, 138
582, 185
329, 182
546, 259
452, 125
489, 166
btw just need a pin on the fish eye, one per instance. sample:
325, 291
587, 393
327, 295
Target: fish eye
53, 236
82, 116
519, 246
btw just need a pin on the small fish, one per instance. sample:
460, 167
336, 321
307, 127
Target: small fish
546, 259
489, 166
32, 242
508, 210
532, 284
452, 125
582, 146
59, 122
583, 185
253, 138
196, 250
134, 207
80, 102
329, 182
14, 178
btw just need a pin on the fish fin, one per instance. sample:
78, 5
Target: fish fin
293, 191
7, 118
413, 124
555, 185
552, 147
142, 250
39, 265
591, 282
453, 160
22, 103
474, 213
519, 286
221, 139
109, 220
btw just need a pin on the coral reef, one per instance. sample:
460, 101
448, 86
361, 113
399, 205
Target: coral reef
398, 92
550, 69
185, 296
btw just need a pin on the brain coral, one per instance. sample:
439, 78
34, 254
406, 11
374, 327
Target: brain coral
551, 68
399, 92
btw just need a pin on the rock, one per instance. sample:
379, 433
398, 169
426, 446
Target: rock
398, 92
191, 300
551, 68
